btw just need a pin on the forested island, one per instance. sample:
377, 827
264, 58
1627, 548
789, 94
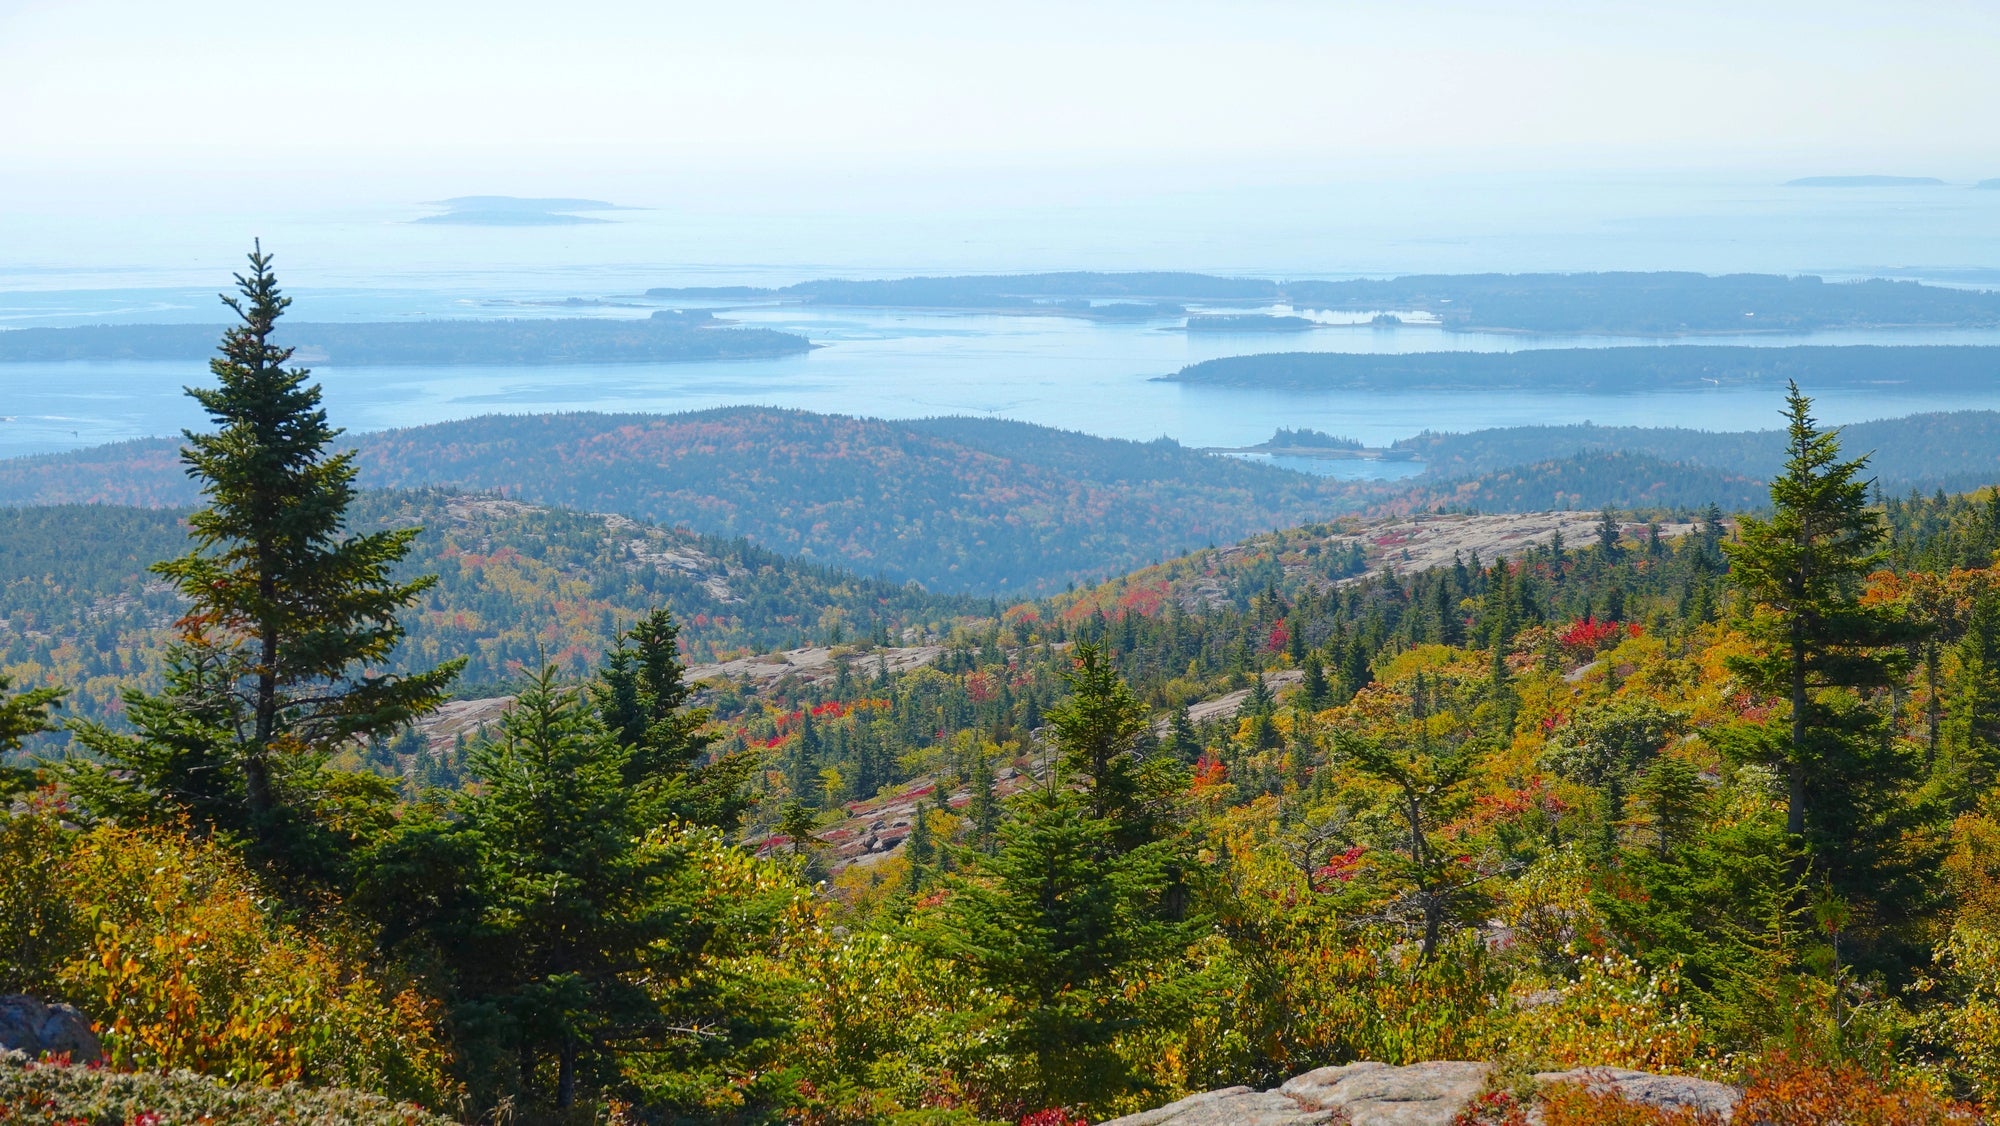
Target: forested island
1639, 368
1631, 303
668, 336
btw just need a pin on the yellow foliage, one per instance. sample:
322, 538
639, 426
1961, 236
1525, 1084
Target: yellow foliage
168, 944
1614, 1014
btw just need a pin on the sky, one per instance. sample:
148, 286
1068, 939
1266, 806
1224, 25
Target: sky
131, 100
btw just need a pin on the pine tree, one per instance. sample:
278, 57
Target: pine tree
290, 617
21, 715
1098, 731
1314, 692
1062, 919
1802, 572
641, 696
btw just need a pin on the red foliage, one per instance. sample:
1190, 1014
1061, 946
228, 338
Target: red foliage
1342, 867
1281, 635
1587, 636
979, 686
1210, 772
1053, 1116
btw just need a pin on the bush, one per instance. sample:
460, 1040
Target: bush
167, 943
33, 1094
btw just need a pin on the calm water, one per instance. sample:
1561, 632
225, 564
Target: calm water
1051, 370
367, 263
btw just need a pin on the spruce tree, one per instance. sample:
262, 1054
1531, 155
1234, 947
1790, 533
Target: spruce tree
1802, 571
642, 699
1098, 731
21, 715
291, 616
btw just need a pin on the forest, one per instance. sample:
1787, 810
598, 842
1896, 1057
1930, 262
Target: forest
665, 337
516, 585
959, 505
1716, 796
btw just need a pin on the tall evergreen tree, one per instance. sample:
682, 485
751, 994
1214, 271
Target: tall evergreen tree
1098, 730
1802, 571
642, 698
291, 616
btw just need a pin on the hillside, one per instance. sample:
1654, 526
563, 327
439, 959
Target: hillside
517, 583
665, 337
959, 505
1685, 367
1954, 450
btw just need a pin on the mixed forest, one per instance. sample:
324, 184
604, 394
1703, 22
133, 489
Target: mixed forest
1714, 797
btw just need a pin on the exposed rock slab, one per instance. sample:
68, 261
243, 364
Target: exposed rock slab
32, 1028
1373, 1094
1663, 1091
1418, 1094
1231, 1106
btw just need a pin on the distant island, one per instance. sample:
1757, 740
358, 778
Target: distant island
1989, 185
1305, 442
1672, 367
1865, 182
1617, 304
666, 337
1248, 322
515, 211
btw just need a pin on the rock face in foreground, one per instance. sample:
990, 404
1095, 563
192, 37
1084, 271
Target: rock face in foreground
32, 1028
1421, 1094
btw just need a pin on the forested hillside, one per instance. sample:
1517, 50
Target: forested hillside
956, 504
1956, 450
518, 584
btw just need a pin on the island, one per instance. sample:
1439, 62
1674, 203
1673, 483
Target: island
1660, 303
668, 336
1306, 442
514, 211
1865, 182
1675, 367
1248, 322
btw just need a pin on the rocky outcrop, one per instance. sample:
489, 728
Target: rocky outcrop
1664, 1091
1419, 1094
34, 1029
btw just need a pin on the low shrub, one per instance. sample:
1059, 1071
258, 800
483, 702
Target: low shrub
43, 1094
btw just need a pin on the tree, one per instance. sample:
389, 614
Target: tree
1098, 730
1064, 921
642, 698
291, 616
1802, 572
21, 715
1426, 768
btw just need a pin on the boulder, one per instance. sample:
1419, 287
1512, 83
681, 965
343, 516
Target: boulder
32, 1028
1231, 1106
1418, 1094
1664, 1091
1373, 1094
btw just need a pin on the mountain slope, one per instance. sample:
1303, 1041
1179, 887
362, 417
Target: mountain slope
955, 504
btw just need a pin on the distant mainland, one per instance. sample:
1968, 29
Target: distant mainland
1618, 304
665, 337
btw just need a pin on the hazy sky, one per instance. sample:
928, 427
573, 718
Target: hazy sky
392, 98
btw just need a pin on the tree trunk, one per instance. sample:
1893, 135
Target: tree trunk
1795, 772
566, 1074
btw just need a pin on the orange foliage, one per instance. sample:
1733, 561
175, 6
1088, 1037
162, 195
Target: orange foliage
1786, 1091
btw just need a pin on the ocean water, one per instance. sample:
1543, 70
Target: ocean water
367, 262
